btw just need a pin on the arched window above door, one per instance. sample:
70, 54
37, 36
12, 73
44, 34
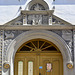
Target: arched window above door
38, 45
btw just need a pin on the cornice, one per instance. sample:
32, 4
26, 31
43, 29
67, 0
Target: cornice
37, 12
20, 27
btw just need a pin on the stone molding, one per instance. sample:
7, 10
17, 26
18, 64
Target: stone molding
43, 12
50, 27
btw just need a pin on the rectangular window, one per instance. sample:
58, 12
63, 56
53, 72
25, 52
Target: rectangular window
20, 68
30, 68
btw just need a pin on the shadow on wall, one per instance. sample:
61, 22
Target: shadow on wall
64, 2
12, 2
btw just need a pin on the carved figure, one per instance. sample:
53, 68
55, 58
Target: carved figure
9, 35
37, 7
33, 22
39, 22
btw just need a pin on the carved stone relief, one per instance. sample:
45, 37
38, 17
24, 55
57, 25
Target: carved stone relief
57, 22
37, 7
9, 35
37, 19
17, 22
58, 32
45, 19
67, 36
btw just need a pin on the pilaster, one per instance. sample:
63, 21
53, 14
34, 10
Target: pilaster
1, 49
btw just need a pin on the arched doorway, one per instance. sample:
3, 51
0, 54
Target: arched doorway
38, 57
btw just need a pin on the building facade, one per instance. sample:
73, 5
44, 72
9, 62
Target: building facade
37, 42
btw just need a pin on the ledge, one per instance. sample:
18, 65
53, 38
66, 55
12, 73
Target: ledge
37, 12
20, 27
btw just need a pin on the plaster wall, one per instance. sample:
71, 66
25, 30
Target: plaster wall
62, 8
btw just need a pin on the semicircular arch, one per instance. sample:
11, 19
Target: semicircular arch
31, 3
34, 34
38, 45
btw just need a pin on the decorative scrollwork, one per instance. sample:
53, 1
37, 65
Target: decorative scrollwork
6, 65
70, 65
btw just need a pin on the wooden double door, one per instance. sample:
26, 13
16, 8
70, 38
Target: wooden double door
38, 64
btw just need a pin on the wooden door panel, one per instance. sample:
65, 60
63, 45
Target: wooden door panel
45, 67
26, 57
40, 60
55, 61
56, 67
17, 60
30, 59
43, 62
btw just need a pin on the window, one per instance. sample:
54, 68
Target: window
20, 67
30, 68
39, 45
